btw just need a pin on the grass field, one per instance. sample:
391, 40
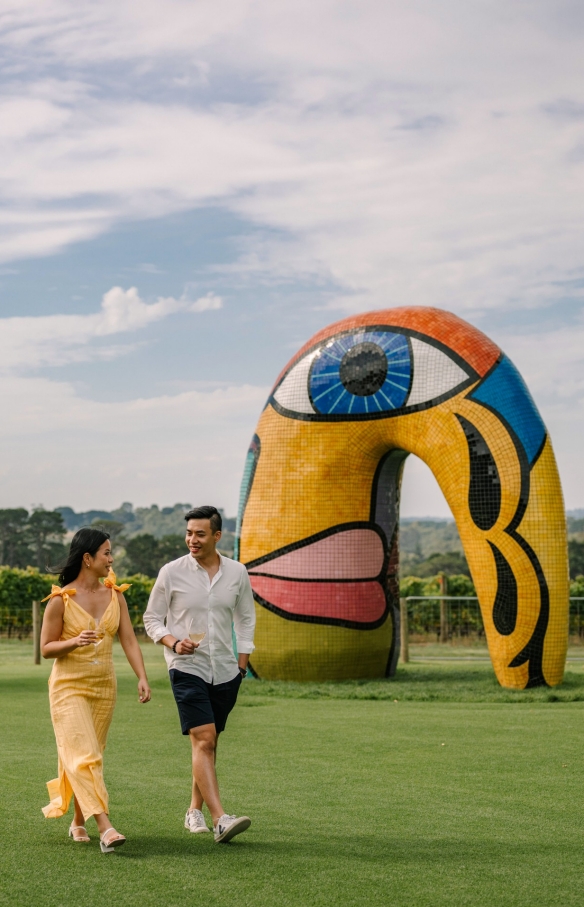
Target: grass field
457, 793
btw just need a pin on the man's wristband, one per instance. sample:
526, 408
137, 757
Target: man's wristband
243, 672
174, 645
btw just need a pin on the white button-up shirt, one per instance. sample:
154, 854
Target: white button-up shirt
184, 593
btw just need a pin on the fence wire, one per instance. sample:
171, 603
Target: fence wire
16, 622
428, 618
447, 618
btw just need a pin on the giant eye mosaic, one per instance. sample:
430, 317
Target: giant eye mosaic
318, 523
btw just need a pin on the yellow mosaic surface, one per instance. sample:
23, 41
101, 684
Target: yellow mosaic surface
318, 524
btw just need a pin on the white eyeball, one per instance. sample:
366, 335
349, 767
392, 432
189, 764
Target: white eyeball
370, 373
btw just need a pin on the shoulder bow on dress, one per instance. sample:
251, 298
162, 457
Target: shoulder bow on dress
56, 590
110, 582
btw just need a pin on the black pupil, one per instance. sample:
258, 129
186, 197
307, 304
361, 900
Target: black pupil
363, 369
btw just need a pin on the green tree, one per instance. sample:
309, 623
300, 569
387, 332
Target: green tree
113, 528
137, 597
146, 554
18, 589
143, 555
576, 555
44, 533
448, 562
170, 547
14, 551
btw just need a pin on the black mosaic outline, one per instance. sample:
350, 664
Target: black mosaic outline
532, 652
540, 450
495, 412
392, 606
478, 487
303, 543
317, 537
390, 414
324, 621
506, 599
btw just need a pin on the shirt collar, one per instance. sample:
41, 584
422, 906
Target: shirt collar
198, 566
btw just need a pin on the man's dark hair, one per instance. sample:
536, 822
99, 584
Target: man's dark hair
206, 513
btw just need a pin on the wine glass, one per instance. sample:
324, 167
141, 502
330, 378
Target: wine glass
95, 625
197, 630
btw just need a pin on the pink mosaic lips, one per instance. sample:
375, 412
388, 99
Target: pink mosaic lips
333, 579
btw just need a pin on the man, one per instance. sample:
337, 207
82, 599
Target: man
204, 592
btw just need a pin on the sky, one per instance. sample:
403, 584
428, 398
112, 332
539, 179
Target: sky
189, 190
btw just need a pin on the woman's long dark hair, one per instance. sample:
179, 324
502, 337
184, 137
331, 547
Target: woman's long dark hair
84, 541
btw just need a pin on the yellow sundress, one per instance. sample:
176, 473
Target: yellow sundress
82, 697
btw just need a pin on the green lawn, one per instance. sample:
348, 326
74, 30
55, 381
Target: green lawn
472, 797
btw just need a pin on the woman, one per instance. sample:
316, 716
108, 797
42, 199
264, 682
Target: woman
80, 622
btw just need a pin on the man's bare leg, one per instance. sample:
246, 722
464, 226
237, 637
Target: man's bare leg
197, 798
205, 786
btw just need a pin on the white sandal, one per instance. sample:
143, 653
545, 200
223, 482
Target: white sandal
73, 829
111, 846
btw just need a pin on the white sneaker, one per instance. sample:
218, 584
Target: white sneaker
195, 821
229, 826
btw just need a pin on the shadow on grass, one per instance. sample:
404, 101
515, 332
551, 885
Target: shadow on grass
422, 683
381, 846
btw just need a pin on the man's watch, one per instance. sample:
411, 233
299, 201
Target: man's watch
243, 672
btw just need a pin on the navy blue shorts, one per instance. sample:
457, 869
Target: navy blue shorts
199, 702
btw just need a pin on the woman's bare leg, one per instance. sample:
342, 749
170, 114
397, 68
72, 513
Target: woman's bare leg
78, 817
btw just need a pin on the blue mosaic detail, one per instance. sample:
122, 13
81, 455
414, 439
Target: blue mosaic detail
251, 461
505, 392
364, 372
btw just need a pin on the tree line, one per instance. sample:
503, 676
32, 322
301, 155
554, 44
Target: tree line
38, 539
33, 539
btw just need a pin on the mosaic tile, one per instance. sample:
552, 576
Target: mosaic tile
318, 524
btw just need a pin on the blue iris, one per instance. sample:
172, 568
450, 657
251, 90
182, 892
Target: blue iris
364, 372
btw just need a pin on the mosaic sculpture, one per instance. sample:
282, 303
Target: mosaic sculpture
319, 509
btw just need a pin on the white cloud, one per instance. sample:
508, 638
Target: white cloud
31, 342
208, 303
407, 153
57, 447
421, 153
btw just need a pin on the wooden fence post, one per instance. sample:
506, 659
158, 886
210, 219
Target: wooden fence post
404, 631
36, 631
443, 583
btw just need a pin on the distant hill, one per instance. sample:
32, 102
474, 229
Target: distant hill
152, 520
419, 537
426, 537
427, 545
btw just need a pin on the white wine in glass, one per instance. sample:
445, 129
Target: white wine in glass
196, 633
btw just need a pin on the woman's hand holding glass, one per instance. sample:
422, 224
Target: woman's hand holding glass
98, 633
85, 638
